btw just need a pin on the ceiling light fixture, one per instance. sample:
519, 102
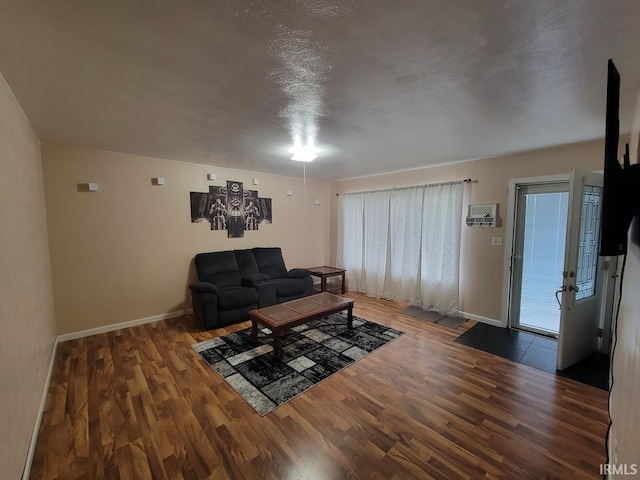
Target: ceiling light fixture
303, 153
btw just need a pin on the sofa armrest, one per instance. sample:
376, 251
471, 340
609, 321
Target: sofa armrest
298, 273
253, 279
203, 287
266, 293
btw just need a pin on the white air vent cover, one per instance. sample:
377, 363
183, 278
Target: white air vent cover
482, 215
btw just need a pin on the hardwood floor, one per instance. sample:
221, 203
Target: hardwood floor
140, 403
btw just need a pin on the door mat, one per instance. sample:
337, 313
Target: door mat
432, 316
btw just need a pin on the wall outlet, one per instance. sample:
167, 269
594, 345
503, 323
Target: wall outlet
497, 241
289, 193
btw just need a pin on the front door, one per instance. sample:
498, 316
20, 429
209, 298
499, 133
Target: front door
583, 271
538, 256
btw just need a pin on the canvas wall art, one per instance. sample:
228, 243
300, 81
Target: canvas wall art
218, 209
235, 209
265, 210
200, 205
251, 210
231, 208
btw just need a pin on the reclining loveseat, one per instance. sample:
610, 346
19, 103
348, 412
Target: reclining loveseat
235, 281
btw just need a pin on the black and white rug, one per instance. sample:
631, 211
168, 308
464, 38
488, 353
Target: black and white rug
310, 354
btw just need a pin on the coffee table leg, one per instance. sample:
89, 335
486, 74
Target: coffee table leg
350, 316
277, 346
343, 283
254, 331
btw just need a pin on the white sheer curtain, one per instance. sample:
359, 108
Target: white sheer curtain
440, 263
403, 283
403, 244
350, 245
362, 241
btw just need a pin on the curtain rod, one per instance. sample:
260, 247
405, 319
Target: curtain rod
392, 189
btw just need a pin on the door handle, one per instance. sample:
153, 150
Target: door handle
562, 289
572, 288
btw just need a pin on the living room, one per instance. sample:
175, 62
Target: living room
79, 262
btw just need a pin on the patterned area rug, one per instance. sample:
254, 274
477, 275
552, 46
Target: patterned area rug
310, 354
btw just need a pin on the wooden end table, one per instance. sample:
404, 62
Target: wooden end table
284, 316
326, 272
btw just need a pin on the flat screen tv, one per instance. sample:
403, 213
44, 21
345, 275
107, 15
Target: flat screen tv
617, 210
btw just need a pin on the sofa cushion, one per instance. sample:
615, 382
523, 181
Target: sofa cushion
246, 262
252, 280
219, 268
270, 261
236, 297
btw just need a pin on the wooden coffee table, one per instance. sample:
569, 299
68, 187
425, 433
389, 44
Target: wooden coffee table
284, 316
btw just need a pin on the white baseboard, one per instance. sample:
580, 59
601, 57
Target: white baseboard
478, 318
118, 326
43, 402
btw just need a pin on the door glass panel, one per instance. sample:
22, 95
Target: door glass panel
543, 259
588, 244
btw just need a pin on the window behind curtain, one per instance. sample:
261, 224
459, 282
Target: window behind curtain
403, 244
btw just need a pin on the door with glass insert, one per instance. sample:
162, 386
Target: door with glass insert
582, 280
538, 256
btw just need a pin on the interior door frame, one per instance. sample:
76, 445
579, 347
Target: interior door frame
509, 243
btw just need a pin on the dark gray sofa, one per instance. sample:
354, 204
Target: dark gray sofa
235, 281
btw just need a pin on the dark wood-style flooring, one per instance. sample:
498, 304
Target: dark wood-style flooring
140, 403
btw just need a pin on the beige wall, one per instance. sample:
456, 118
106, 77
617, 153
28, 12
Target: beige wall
125, 252
624, 440
481, 263
27, 322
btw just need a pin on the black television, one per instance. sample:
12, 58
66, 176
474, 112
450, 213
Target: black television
620, 190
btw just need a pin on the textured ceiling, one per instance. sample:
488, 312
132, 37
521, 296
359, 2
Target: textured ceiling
381, 85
